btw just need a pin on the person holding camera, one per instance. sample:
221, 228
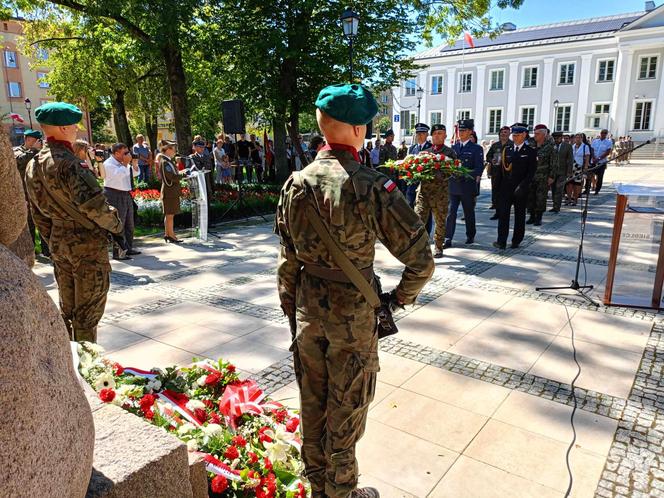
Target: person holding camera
170, 187
120, 170
73, 215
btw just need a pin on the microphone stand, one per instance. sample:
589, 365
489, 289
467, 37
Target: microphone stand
574, 285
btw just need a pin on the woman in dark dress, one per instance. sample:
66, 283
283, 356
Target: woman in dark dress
170, 187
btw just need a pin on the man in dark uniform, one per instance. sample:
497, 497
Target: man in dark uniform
518, 166
335, 349
32, 144
493, 157
72, 213
563, 162
421, 144
463, 190
388, 152
203, 162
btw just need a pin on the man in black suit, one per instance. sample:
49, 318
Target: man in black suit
515, 175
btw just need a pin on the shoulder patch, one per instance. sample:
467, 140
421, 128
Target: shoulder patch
389, 185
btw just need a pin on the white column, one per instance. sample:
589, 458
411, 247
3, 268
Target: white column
511, 93
396, 109
584, 89
547, 82
620, 110
450, 111
659, 115
424, 108
479, 99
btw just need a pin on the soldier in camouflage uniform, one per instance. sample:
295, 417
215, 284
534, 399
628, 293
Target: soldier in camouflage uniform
539, 189
563, 161
335, 346
388, 152
23, 154
71, 211
433, 195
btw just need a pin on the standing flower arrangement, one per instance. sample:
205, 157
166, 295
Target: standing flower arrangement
251, 445
427, 166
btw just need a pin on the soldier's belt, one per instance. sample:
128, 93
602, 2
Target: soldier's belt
334, 275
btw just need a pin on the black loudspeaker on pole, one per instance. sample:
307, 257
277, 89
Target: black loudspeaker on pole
233, 116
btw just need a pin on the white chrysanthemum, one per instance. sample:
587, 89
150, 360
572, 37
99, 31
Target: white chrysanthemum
85, 360
192, 445
95, 348
194, 404
212, 430
201, 380
105, 381
186, 428
153, 385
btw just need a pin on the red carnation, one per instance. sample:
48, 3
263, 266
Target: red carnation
219, 484
268, 487
149, 413
208, 403
231, 453
267, 463
301, 491
442, 157
409, 174
239, 441
292, 424
262, 437
213, 379
146, 402
107, 395
436, 166
253, 457
200, 415
215, 419
420, 169
118, 369
230, 368
280, 415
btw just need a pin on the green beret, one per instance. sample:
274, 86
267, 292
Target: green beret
58, 114
32, 133
352, 104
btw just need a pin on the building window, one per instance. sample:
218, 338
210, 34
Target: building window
463, 114
495, 121
566, 74
436, 85
411, 85
408, 122
41, 78
563, 118
14, 88
642, 115
42, 54
605, 70
497, 80
465, 82
528, 117
436, 118
384, 99
600, 109
530, 77
10, 59
648, 68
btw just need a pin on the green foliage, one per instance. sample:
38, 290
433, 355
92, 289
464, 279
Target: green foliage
384, 124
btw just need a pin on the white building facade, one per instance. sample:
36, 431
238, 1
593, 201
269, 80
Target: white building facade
605, 72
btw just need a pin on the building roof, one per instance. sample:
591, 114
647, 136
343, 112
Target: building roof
584, 28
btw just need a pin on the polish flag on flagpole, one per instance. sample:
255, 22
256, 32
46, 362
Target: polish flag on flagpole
469, 39
17, 117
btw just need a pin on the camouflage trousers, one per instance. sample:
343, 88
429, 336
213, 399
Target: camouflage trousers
336, 364
82, 271
557, 191
537, 195
433, 199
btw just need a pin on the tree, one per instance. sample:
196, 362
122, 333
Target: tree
384, 123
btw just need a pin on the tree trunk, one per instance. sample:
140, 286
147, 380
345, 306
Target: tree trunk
280, 159
178, 86
120, 118
151, 129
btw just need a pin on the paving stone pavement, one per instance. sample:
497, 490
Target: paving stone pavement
475, 387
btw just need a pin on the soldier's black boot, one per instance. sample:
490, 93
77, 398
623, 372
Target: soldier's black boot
364, 493
538, 220
438, 254
531, 219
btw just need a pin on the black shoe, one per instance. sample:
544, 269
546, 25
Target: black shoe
132, 252
530, 220
497, 245
596, 193
514, 246
538, 221
470, 240
554, 210
494, 217
438, 254
447, 244
122, 258
492, 207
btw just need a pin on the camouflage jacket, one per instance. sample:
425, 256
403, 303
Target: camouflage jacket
23, 156
56, 168
358, 205
563, 159
387, 152
545, 160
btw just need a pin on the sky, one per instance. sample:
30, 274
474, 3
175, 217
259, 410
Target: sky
534, 12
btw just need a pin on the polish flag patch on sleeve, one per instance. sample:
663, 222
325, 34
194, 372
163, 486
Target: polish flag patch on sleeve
389, 185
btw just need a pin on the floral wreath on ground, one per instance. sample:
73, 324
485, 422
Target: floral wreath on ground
250, 444
427, 166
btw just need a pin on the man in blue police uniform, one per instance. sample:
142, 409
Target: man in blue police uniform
516, 173
463, 190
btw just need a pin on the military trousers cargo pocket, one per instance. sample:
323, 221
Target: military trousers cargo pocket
361, 379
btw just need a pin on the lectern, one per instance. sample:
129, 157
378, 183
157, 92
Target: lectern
643, 206
199, 204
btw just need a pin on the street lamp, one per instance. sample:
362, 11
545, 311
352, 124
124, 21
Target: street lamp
420, 92
555, 114
350, 22
28, 107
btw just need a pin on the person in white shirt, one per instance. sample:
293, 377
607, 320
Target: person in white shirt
602, 148
581, 154
118, 184
222, 167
